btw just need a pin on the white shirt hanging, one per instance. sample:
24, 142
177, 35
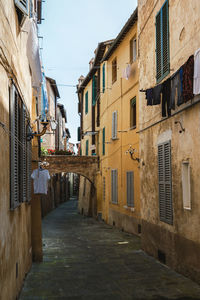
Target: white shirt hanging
196, 85
40, 181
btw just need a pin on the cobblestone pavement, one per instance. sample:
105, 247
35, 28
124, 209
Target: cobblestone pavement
86, 259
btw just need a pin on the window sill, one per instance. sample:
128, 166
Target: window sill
132, 209
133, 127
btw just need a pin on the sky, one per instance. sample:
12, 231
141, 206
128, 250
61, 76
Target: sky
71, 31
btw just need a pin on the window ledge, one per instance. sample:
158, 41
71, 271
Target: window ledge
129, 208
133, 127
187, 208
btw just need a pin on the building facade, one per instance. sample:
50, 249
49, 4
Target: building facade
169, 132
19, 75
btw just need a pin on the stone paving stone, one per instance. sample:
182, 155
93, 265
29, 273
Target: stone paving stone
86, 259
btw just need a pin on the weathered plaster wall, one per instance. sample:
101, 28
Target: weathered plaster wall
184, 233
15, 226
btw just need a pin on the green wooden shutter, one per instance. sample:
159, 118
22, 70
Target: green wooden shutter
94, 90
87, 147
114, 186
103, 141
103, 76
14, 149
130, 188
165, 39
86, 103
162, 42
165, 182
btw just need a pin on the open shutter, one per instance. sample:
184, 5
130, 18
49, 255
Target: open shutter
158, 46
103, 76
94, 90
86, 150
29, 169
130, 188
23, 154
14, 151
165, 186
165, 38
162, 42
22, 5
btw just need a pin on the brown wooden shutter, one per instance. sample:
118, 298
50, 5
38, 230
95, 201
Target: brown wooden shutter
130, 188
165, 182
14, 149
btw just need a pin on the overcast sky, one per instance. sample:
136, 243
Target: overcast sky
71, 32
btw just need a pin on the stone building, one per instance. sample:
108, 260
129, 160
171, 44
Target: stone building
20, 72
169, 133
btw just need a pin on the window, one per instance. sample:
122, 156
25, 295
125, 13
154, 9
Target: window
165, 182
133, 50
103, 141
114, 188
114, 70
162, 42
94, 90
130, 189
186, 185
133, 113
86, 103
114, 125
20, 152
103, 78
86, 147
104, 188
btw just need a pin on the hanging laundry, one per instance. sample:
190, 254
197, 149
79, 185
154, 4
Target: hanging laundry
188, 73
157, 90
196, 83
40, 181
149, 96
166, 93
176, 92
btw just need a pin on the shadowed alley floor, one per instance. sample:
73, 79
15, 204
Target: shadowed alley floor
86, 259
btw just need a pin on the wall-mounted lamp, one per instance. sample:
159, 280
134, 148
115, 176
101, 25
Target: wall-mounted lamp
31, 134
132, 151
182, 129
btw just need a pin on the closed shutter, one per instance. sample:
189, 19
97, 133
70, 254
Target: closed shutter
23, 154
14, 149
114, 125
94, 90
162, 42
165, 182
87, 146
103, 141
114, 186
104, 188
22, 5
103, 76
130, 188
86, 103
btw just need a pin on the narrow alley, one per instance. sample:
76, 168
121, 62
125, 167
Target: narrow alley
87, 259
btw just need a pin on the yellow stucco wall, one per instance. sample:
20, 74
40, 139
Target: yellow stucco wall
117, 97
